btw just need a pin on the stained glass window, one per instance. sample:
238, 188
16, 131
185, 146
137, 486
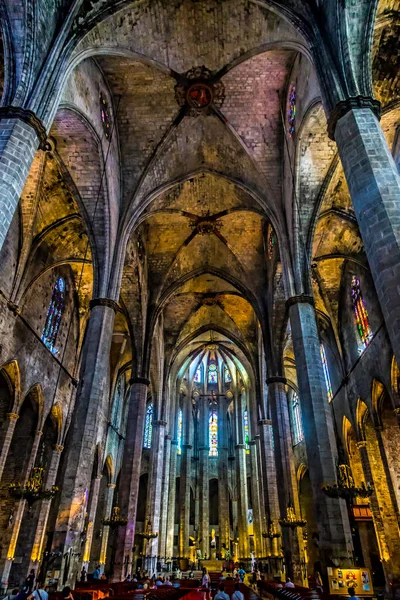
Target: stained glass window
213, 433
54, 314
105, 116
198, 376
326, 373
227, 375
292, 111
212, 373
148, 427
271, 244
297, 424
117, 402
246, 431
360, 313
180, 430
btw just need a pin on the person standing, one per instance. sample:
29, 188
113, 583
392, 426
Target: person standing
96, 573
30, 582
205, 581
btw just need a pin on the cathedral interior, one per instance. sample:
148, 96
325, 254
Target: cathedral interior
199, 286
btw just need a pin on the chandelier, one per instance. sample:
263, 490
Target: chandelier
147, 534
292, 520
32, 490
345, 486
115, 519
271, 533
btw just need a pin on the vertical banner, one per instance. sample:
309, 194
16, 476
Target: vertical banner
250, 521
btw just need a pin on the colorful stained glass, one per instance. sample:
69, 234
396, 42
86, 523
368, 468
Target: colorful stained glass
105, 116
292, 111
297, 424
271, 244
213, 433
360, 313
54, 314
198, 376
212, 373
227, 375
326, 373
246, 431
180, 431
148, 427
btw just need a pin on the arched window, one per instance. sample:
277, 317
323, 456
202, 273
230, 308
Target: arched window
271, 244
198, 375
118, 402
326, 373
246, 431
360, 313
227, 375
292, 111
148, 427
212, 373
179, 432
213, 433
297, 424
54, 314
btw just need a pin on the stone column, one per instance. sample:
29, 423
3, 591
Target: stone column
19, 512
256, 496
271, 500
335, 541
37, 548
223, 508
374, 186
91, 405
91, 512
165, 508
204, 485
240, 451
106, 529
155, 484
241, 480
184, 493
21, 133
129, 478
286, 475
171, 501
385, 522
12, 421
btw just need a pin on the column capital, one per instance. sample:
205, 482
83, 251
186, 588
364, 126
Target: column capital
300, 299
168, 437
159, 423
345, 106
58, 448
141, 380
252, 442
361, 444
239, 446
276, 379
104, 302
38, 432
12, 416
174, 443
204, 448
265, 422
187, 446
28, 117
397, 411
111, 486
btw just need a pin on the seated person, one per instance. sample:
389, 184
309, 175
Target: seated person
221, 594
289, 583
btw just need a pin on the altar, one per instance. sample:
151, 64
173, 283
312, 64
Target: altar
212, 564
